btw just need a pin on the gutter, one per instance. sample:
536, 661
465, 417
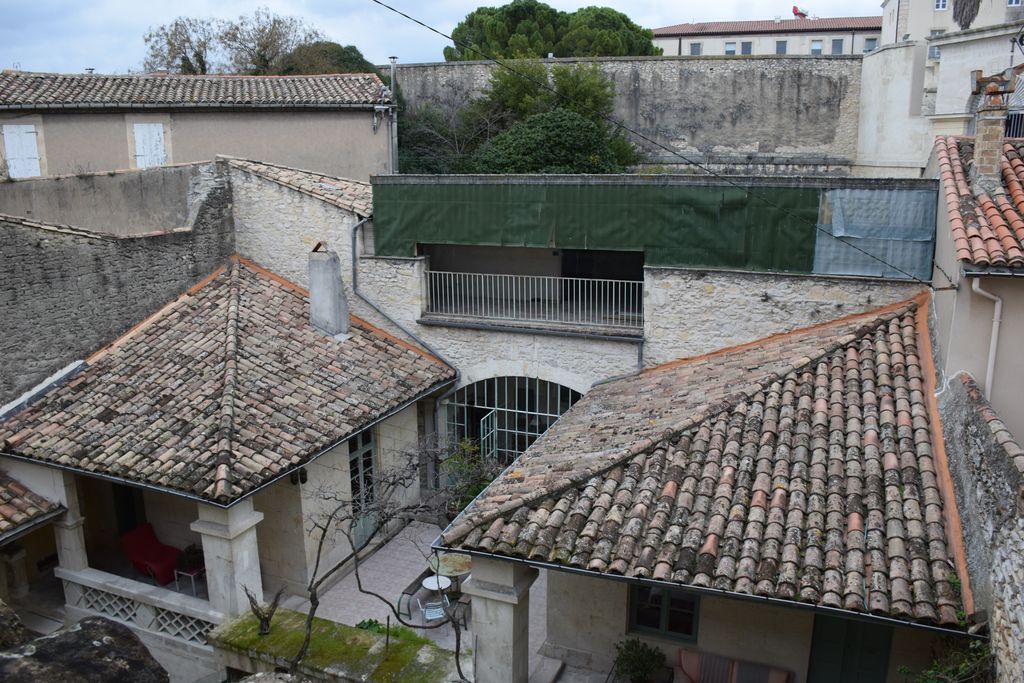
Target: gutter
32, 524
993, 345
428, 347
716, 592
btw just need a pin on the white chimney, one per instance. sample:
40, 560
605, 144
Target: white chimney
328, 308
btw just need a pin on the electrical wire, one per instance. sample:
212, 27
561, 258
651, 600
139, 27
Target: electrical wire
622, 127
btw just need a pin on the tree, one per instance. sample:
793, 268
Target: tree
528, 28
256, 43
324, 57
391, 485
186, 45
559, 141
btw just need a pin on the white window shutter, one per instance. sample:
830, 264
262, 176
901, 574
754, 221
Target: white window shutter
149, 145
22, 151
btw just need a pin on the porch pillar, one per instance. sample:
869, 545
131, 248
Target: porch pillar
69, 531
501, 619
231, 554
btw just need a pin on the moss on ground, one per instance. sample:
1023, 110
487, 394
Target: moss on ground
340, 649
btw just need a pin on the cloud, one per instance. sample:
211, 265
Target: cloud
66, 36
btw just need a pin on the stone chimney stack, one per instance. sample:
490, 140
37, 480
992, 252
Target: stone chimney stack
990, 127
328, 308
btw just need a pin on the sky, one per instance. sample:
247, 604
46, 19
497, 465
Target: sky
73, 35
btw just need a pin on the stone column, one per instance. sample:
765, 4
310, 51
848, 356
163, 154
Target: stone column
231, 554
69, 531
501, 619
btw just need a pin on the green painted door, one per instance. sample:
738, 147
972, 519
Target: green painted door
848, 651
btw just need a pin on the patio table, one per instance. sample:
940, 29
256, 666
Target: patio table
451, 564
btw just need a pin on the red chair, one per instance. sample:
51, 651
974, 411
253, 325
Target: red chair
150, 556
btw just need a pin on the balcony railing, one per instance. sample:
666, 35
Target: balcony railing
565, 302
154, 609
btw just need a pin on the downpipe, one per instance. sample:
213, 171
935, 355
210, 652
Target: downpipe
993, 344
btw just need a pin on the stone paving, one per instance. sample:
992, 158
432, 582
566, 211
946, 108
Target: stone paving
391, 568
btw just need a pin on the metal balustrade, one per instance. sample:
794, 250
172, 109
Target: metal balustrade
537, 299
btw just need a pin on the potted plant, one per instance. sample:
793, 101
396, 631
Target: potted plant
636, 661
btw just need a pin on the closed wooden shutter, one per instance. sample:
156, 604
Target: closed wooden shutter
149, 145
22, 151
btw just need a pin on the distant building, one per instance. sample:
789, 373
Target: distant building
798, 36
904, 20
59, 124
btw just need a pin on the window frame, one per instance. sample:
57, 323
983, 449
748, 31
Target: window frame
934, 51
941, 5
870, 44
820, 47
1013, 3
662, 631
781, 45
746, 47
696, 49
840, 42
727, 44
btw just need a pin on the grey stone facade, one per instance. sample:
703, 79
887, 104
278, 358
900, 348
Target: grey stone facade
65, 293
990, 496
739, 114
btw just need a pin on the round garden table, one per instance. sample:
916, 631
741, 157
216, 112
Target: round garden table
437, 583
454, 565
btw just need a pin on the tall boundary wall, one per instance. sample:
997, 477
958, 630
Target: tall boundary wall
66, 291
797, 112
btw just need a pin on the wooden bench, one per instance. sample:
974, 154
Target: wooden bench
411, 590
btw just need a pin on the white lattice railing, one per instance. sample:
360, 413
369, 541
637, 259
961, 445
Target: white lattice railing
152, 608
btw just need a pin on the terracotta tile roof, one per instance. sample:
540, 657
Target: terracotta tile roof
988, 229
800, 467
353, 195
1000, 432
824, 24
25, 90
21, 509
221, 391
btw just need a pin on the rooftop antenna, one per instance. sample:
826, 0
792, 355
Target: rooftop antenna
90, 70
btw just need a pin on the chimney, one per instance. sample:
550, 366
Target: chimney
989, 128
328, 308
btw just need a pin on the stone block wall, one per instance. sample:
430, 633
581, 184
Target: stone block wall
691, 312
989, 489
65, 293
765, 108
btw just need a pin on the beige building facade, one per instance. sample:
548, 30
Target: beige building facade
816, 37
57, 124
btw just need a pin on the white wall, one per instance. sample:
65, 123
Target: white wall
987, 51
170, 517
894, 140
582, 629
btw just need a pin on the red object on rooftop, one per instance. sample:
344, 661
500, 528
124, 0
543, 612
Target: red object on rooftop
799, 13
150, 556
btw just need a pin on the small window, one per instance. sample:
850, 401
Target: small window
21, 151
664, 612
837, 46
695, 49
730, 48
870, 44
780, 47
149, 145
933, 51
816, 47
940, 4
746, 47
1013, 3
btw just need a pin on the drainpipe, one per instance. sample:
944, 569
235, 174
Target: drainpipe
428, 347
993, 345
393, 132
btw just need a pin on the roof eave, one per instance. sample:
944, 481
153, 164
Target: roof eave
191, 106
31, 524
715, 592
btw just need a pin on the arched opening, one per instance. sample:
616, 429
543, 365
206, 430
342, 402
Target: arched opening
504, 415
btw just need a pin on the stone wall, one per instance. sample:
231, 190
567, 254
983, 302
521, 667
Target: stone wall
691, 312
990, 494
65, 293
740, 112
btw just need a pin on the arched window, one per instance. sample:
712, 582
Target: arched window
504, 415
